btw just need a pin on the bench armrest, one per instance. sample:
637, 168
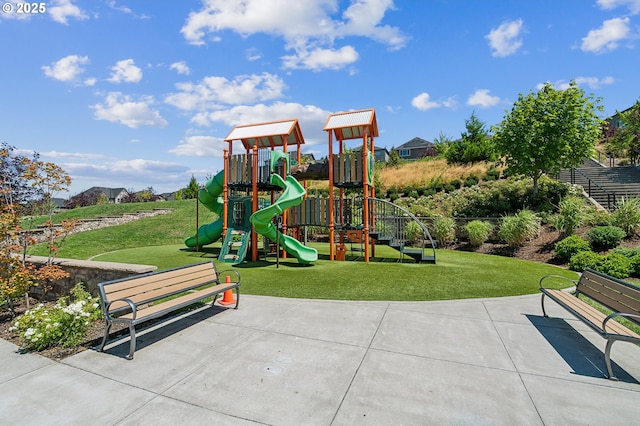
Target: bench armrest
132, 305
229, 272
617, 314
574, 282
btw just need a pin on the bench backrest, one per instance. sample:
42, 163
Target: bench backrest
615, 294
149, 287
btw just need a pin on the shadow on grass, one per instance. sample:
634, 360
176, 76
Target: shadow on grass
580, 354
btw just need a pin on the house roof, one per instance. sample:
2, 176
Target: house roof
415, 143
112, 193
267, 135
353, 124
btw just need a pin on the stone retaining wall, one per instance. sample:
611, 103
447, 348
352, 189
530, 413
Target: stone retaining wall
87, 271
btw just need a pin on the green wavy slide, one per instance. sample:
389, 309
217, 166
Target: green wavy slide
211, 199
261, 220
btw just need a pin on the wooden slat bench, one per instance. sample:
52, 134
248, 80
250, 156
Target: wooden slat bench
618, 296
141, 298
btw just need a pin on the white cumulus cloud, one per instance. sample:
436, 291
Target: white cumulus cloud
423, 102
125, 71
311, 26
67, 69
62, 10
633, 5
213, 91
200, 146
119, 108
320, 58
180, 67
607, 37
505, 40
483, 99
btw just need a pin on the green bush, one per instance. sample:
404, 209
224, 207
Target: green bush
635, 264
570, 216
585, 259
492, 174
64, 324
571, 245
444, 230
598, 218
414, 194
517, 229
456, 183
449, 188
393, 197
605, 237
616, 265
478, 231
627, 215
412, 232
471, 180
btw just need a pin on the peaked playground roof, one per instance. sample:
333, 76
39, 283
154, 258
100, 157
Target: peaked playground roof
267, 135
353, 124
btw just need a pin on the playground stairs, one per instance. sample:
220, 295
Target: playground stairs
605, 185
235, 245
390, 226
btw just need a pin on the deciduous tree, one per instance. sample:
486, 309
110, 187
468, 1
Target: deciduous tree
548, 130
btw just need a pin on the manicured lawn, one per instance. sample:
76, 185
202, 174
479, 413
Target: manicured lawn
457, 275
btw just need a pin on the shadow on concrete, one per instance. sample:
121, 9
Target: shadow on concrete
580, 354
156, 330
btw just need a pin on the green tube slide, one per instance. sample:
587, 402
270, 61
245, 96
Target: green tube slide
210, 198
261, 220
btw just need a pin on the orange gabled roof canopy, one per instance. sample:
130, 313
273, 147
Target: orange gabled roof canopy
353, 124
268, 135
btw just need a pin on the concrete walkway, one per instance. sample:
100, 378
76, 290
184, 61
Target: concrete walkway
309, 362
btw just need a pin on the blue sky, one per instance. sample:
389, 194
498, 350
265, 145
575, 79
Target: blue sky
133, 94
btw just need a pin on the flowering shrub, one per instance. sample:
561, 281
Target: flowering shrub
64, 324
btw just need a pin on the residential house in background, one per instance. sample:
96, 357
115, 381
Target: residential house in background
114, 195
416, 149
381, 154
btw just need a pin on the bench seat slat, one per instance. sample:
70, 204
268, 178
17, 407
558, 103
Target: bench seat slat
144, 292
168, 305
590, 313
152, 277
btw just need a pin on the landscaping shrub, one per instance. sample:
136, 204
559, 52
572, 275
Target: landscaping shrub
412, 232
627, 215
517, 229
64, 324
585, 259
478, 231
598, 218
471, 180
605, 237
570, 216
444, 230
393, 196
571, 245
456, 183
492, 174
616, 265
635, 264
414, 194
449, 188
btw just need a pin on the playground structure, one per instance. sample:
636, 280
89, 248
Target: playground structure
265, 168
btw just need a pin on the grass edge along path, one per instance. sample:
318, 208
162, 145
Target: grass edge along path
457, 275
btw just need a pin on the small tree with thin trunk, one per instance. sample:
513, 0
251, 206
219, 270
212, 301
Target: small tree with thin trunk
548, 131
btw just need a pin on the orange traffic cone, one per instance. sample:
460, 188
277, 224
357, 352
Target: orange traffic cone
227, 296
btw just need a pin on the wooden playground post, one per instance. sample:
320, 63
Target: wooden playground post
365, 190
254, 203
331, 202
225, 195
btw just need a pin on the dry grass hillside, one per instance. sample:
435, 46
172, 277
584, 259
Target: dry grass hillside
422, 173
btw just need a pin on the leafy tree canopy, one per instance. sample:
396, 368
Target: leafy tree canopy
625, 138
548, 130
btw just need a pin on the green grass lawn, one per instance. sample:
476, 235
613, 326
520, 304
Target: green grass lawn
159, 241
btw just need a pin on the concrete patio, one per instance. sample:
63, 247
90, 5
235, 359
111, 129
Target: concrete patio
319, 362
